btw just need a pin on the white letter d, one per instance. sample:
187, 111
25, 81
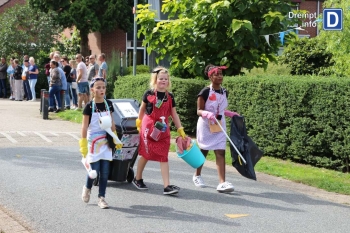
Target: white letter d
329, 24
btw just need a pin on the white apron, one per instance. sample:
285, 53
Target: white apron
207, 140
97, 140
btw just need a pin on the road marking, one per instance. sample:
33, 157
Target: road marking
21, 133
74, 136
236, 215
54, 134
42, 136
9, 137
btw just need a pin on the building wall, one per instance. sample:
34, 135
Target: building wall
9, 3
113, 40
311, 7
95, 43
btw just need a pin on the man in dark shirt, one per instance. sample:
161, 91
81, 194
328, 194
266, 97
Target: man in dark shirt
3, 76
66, 70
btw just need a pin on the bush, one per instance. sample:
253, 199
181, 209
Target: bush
140, 69
185, 94
307, 56
290, 117
272, 69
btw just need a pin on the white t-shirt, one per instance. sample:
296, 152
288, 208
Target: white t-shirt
81, 68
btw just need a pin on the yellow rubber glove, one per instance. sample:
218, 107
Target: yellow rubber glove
117, 146
138, 124
181, 132
83, 143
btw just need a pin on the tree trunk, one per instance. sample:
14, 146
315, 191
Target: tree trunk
84, 44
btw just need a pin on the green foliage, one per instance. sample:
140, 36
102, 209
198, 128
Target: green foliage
307, 56
26, 31
272, 69
337, 42
140, 69
289, 117
332, 181
185, 95
114, 71
69, 46
226, 32
89, 15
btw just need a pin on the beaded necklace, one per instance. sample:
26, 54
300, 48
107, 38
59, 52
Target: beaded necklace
158, 101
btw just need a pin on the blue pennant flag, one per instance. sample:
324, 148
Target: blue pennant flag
282, 37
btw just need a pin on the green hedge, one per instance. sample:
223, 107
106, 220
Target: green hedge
185, 95
305, 119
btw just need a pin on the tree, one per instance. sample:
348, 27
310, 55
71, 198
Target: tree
69, 46
25, 31
89, 15
227, 32
338, 42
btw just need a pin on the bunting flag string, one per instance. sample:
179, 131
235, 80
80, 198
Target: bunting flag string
281, 34
267, 38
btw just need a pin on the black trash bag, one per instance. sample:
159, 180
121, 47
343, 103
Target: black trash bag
248, 149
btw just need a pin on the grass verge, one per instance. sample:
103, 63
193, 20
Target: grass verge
328, 180
71, 115
331, 181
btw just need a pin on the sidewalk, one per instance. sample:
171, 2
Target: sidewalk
25, 116
9, 224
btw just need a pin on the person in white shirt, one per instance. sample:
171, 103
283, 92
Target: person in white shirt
82, 80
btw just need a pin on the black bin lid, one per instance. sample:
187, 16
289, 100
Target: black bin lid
125, 114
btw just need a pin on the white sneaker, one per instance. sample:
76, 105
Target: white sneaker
10, 97
102, 203
225, 187
198, 181
85, 196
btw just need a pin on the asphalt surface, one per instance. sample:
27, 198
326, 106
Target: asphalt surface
41, 182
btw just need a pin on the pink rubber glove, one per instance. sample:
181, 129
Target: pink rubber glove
208, 115
230, 114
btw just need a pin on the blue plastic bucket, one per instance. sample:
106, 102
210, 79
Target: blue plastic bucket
194, 157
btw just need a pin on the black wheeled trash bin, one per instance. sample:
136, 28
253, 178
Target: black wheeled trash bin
125, 113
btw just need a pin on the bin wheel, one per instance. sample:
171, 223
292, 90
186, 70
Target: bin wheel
130, 176
96, 180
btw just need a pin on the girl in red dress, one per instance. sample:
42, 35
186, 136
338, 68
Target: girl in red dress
157, 105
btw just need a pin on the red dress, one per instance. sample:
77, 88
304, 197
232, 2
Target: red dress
149, 148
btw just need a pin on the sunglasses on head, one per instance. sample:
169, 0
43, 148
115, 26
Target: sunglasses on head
157, 71
95, 80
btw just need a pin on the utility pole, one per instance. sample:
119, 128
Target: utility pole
135, 38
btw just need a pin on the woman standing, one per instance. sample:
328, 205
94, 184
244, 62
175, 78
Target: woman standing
55, 87
74, 85
10, 72
18, 80
33, 77
211, 104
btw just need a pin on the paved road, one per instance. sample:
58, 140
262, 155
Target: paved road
41, 182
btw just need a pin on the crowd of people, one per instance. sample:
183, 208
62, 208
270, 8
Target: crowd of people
22, 78
64, 76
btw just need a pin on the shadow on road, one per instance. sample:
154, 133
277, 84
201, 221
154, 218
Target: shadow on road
168, 213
